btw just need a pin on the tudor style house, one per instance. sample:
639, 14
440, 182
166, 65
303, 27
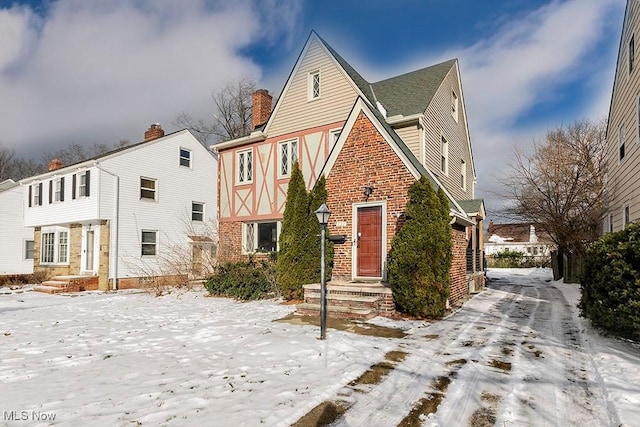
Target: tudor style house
107, 222
16, 250
623, 129
371, 141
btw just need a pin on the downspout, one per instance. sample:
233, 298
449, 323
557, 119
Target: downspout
117, 225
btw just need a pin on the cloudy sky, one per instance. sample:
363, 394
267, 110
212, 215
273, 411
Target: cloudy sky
90, 72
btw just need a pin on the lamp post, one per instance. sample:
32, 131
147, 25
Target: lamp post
323, 213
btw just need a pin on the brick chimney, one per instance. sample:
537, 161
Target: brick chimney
155, 131
491, 228
55, 164
260, 107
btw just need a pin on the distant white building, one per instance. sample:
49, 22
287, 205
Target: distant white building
517, 238
16, 245
119, 216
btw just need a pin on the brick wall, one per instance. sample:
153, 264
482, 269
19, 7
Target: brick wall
230, 244
366, 159
459, 286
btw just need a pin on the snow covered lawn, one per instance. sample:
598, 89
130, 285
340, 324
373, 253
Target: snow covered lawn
516, 354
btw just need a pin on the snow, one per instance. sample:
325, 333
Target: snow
130, 358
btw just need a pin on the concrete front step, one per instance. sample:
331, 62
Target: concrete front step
77, 283
341, 312
49, 289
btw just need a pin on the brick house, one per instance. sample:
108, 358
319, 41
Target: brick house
113, 220
371, 141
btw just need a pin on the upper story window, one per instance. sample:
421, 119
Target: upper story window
334, 134
245, 166
288, 155
185, 157
35, 194
197, 211
56, 190
632, 53
454, 105
621, 149
463, 175
149, 245
314, 85
81, 185
148, 188
610, 223
444, 155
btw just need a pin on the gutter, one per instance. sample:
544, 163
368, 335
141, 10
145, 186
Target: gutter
117, 224
403, 120
253, 137
462, 220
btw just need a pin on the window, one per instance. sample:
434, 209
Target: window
149, 242
632, 53
261, 236
58, 194
610, 223
197, 211
314, 85
245, 166
29, 249
288, 153
63, 246
463, 175
333, 137
621, 150
147, 188
625, 216
55, 246
37, 194
81, 185
185, 157
454, 105
444, 153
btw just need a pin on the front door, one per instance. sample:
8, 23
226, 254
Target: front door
369, 242
88, 266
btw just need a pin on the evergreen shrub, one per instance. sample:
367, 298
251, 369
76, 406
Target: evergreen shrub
244, 280
611, 283
421, 254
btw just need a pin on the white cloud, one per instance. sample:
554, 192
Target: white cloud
101, 71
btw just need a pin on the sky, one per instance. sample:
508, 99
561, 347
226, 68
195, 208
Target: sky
96, 72
516, 352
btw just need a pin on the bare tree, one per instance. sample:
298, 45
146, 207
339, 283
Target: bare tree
76, 153
6, 163
231, 117
560, 187
12, 167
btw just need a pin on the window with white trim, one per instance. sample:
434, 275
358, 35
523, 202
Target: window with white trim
54, 246
334, 134
454, 105
444, 155
610, 223
83, 185
288, 155
625, 216
314, 85
148, 188
37, 194
261, 236
149, 246
245, 166
621, 147
463, 174
185, 157
197, 211
58, 192
29, 249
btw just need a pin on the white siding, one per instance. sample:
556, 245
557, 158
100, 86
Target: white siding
14, 233
296, 112
410, 135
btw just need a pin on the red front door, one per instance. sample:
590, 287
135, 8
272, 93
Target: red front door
369, 243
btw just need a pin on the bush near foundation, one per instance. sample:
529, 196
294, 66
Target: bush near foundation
611, 283
420, 258
244, 280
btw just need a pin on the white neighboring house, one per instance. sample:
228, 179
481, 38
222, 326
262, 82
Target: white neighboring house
517, 238
16, 248
121, 214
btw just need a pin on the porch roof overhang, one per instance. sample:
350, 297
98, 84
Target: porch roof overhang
458, 218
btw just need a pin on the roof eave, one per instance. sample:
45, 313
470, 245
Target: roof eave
255, 136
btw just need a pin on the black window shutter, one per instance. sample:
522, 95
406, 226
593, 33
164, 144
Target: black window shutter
50, 191
30, 194
73, 186
40, 192
88, 182
62, 189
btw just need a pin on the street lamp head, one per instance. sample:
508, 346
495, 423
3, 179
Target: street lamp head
323, 213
